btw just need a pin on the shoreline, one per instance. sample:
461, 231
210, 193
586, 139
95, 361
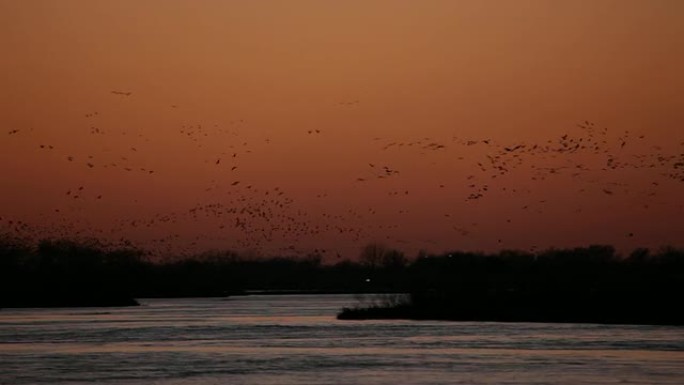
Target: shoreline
49, 303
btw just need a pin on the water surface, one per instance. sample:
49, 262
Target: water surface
296, 339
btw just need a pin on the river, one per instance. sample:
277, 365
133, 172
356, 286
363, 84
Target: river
295, 339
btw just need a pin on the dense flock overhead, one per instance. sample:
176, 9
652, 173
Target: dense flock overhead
246, 215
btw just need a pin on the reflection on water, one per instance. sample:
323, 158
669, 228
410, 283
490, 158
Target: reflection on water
297, 340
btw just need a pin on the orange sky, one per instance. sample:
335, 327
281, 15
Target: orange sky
411, 86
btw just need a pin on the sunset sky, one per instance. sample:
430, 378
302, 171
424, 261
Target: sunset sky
320, 126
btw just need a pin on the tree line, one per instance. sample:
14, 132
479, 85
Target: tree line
65, 272
508, 285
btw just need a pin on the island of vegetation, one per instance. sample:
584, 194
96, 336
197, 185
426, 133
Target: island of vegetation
581, 285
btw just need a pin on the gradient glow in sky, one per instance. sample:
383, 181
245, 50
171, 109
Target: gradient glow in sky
154, 110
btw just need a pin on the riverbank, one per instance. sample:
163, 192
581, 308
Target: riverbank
72, 300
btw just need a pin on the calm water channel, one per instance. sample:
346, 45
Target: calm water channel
296, 339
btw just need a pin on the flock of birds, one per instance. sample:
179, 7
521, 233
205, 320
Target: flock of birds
235, 212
